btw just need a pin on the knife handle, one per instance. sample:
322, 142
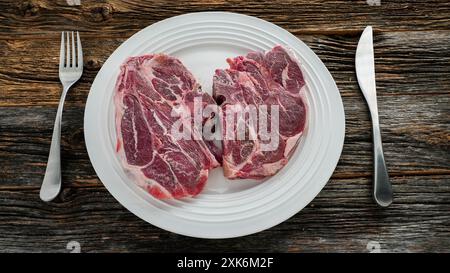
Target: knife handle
382, 186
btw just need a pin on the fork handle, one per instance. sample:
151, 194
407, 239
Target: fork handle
52, 180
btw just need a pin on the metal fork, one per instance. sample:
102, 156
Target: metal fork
70, 70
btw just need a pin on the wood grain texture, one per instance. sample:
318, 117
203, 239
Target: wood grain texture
343, 218
122, 18
413, 83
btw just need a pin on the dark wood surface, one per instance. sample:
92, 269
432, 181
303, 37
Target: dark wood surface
412, 47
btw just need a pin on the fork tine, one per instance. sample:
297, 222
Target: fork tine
62, 53
68, 50
73, 50
80, 51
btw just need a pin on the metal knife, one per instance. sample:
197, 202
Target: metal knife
365, 72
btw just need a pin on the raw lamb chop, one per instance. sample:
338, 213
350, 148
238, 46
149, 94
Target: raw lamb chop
147, 90
273, 78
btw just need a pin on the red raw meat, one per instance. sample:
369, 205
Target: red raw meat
270, 78
147, 90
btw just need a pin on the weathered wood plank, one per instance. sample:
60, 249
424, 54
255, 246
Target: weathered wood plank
404, 65
118, 18
343, 218
415, 129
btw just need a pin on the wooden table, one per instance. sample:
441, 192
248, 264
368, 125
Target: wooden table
412, 49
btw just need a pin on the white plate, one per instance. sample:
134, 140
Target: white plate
202, 41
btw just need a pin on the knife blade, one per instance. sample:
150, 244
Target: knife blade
365, 73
